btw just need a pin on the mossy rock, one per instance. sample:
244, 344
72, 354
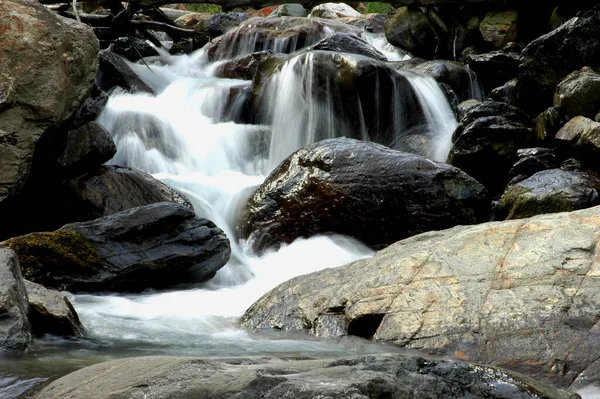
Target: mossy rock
46, 256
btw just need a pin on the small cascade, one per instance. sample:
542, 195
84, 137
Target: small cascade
475, 86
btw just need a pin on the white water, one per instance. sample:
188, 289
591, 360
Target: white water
179, 136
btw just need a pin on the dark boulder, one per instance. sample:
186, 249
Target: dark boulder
550, 58
361, 189
496, 68
547, 124
580, 137
247, 67
550, 191
530, 161
411, 29
133, 48
15, 330
486, 143
114, 72
454, 74
346, 43
153, 246
507, 93
111, 189
51, 312
365, 377
579, 94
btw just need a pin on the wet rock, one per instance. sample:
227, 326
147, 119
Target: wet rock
47, 67
507, 93
361, 189
410, 29
579, 94
464, 107
333, 11
114, 72
373, 376
530, 161
112, 189
283, 34
580, 137
550, 58
348, 44
486, 143
51, 312
15, 330
548, 123
550, 191
133, 48
153, 246
497, 293
247, 67
496, 68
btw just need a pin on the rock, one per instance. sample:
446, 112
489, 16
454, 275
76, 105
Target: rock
361, 189
153, 246
133, 48
507, 93
247, 67
580, 137
333, 11
496, 68
579, 94
290, 10
90, 108
372, 376
15, 330
218, 24
85, 149
345, 43
51, 312
464, 107
499, 28
486, 143
283, 34
550, 58
548, 123
550, 191
499, 293
112, 189
114, 72
454, 74
410, 29
530, 161
47, 67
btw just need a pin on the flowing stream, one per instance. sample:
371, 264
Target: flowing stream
186, 137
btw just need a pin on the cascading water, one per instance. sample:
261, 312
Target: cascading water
184, 136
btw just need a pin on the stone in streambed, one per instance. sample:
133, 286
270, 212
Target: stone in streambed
15, 330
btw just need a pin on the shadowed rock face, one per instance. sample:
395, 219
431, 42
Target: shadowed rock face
361, 189
15, 330
375, 376
156, 246
520, 294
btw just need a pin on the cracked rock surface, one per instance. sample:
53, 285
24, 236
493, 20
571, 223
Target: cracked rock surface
523, 294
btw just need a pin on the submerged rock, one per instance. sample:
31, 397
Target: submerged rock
51, 312
519, 294
361, 189
374, 376
15, 329
152, 246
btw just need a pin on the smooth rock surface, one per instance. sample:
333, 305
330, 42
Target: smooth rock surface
15, 330
51, 312
153, 246
361, 189
376, 376
519, 294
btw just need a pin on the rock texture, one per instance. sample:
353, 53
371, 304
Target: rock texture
362, 189
376, 376
15, 330
519, 294
156, 246
47, 67
51, 312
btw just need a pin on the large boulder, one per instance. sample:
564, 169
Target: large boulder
348, 44
373, 376
579, 94
361, 189
550, 191
47, 67
115, 72
486, 143
519, 294
111, 189
550, 58
280, 34
531, 161
580, 137
411, 29
333, 11
495, 68
51, 312
15, 330
499, 28
153, 246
